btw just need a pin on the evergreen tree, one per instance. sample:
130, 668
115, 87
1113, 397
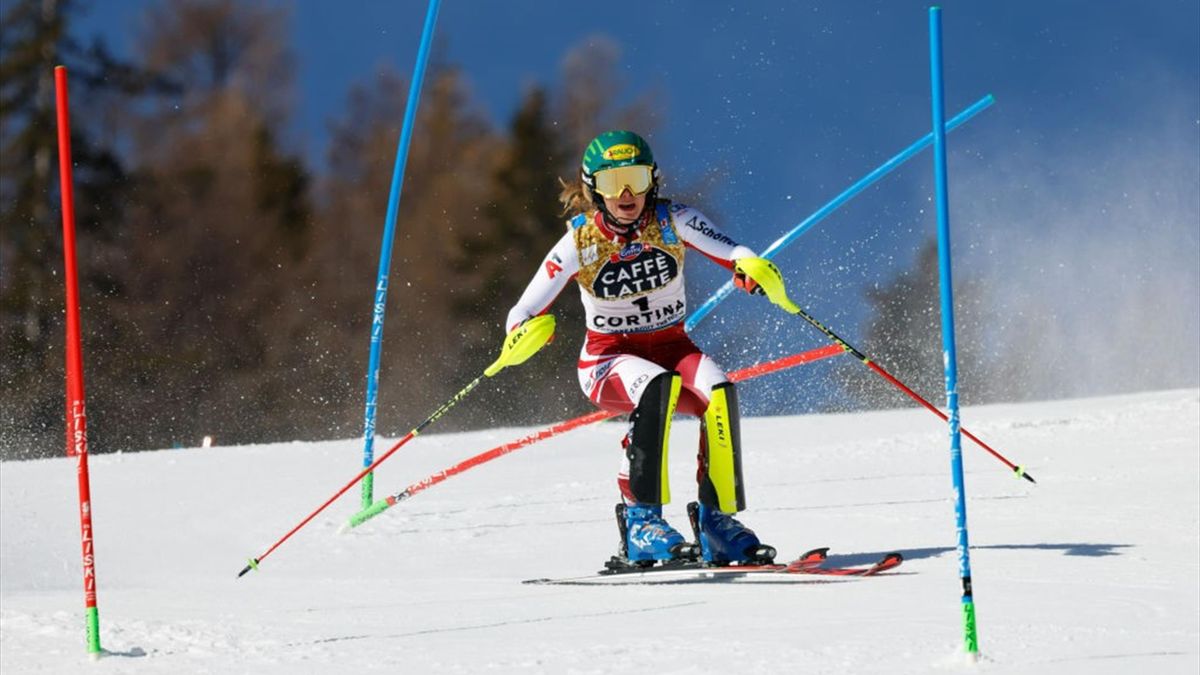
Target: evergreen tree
224, 291
450, 160
523, 220
522, 210
34, 38
220, 220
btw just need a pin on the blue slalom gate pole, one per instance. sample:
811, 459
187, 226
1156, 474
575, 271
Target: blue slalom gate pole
385, 252
949, 353
863, 183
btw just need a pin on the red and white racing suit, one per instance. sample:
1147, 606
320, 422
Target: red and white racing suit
632, 291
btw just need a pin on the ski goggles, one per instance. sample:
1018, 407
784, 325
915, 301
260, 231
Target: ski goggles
610, 183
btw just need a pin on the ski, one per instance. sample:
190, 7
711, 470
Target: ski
887, 562
811, 564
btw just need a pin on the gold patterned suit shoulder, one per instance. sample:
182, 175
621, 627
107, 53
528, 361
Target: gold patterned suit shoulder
595, 249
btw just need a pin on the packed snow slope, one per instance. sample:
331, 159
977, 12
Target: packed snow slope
1094, 570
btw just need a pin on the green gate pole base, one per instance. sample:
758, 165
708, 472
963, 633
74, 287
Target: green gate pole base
93, 634
970, 636
368, 489
365, 515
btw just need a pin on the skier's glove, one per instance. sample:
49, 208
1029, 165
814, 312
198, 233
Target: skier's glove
768, 278
747, 284
523, 342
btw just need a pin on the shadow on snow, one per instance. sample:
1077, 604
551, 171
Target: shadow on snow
1080, 549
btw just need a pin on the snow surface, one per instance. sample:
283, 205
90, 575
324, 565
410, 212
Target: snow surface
1093, 571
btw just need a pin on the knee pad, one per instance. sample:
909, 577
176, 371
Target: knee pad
649, 438
720, 481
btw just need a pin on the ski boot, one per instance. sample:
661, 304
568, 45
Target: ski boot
646, 538
724, 540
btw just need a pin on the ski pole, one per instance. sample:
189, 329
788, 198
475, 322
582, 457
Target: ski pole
522, 343
499, 451
771, 281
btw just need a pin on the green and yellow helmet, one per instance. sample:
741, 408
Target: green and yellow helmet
613, 149
615, 161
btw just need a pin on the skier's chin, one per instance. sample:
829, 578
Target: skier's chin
627, 215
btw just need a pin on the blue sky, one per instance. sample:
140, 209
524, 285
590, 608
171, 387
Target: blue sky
842, 76
1091, 147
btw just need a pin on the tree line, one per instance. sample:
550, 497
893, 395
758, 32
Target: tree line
225, 283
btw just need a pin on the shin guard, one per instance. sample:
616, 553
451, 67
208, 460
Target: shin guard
721, 453
649, 437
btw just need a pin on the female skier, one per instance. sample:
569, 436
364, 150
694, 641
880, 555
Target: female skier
624, 246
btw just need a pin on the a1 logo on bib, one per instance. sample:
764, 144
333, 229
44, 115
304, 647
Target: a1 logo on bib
637, 268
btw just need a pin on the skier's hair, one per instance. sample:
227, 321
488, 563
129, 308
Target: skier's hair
576, 197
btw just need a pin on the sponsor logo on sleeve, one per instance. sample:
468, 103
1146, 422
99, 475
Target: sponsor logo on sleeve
553, 265
707, 230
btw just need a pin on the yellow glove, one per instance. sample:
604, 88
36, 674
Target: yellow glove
523, 342
768, 277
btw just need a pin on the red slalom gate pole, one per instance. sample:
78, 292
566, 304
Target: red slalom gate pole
748, 373
751, 372
76, 409
386, 503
